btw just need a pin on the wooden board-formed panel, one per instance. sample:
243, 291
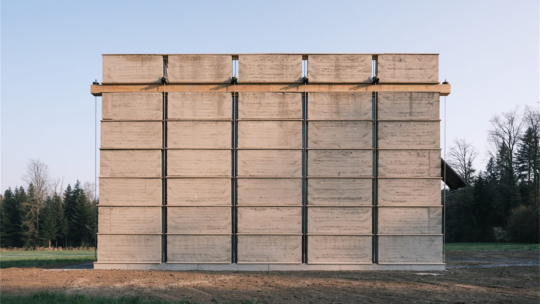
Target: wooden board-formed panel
270, 163
339, 192
132, 192
130, 163
199, 220
132, 106
199, 68
394, 220
408, 68
131, 135
269, 68
336, 220
270, 220
269, 249
129, 220
129, 248
199, 163
340, 105
407, 105
403, 192
339, 249
409, 135
342, 68
259, 105
199, 105
410, 249
410, 163
340, 134
132, 68
199, 248
198, 192
199, 134
257, 192
270, 134
340, 163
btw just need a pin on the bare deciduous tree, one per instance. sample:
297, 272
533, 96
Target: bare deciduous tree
505, 133
37, 174
89, 190
461, 158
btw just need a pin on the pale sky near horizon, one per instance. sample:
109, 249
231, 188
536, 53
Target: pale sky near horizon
51, 53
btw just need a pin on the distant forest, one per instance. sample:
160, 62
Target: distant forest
501, 203
46, 215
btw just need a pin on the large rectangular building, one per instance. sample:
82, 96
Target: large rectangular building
270, 162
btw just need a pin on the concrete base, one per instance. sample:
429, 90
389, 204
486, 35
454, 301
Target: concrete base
268, 267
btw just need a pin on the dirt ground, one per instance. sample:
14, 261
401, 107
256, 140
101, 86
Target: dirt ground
472, 277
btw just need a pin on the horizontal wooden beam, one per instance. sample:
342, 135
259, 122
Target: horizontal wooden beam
98, 90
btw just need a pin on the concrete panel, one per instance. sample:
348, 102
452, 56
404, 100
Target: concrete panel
340, 105
270, 163
410, 249
410, 163
132, 68
132, 106
130, 163
340, 163
269, 68
259, 105
409, 135
270, 134
199, 163
198, 191
199, 220
199, 105
339, 220
257, 192
199, 68
131, 135
339, 192
403, 192
339, 249
199, 248
417, 220
129, 220
132, 192
411, 68
199, 134
407, 105
129, 248
270, 220
340, 134
269, 249
342, 68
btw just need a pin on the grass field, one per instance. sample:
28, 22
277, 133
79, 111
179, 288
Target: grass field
36, 258
490, 247
59, 298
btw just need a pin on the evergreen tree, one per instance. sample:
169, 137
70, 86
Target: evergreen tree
12, 234
77, 212
49, 226
31, 219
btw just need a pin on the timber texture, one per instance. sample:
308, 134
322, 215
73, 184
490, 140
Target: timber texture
241, 163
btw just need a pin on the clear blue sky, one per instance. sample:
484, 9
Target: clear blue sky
51, 53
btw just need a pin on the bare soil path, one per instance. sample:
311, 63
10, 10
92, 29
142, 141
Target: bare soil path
469, 279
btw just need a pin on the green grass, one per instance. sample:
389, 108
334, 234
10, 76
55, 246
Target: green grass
60, 298
36, 258
490, 247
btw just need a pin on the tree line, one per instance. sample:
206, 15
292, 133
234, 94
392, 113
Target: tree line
501, 202
45, 215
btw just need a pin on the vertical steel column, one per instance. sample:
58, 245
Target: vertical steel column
375, 184
164, 182
234, 181
304, 178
